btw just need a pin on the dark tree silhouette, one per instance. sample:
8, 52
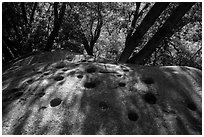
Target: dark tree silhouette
58, 18
24, 12
165, 31
133, 40
33, 12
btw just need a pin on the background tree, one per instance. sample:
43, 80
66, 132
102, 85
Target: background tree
139, 33
58, 18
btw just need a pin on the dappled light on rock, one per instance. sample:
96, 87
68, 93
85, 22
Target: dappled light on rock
67, 97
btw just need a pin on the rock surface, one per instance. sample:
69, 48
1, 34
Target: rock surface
60, 93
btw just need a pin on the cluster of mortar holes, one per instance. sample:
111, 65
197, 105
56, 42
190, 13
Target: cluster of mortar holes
89, 84
191, 106
55, 102
148, 80
103, 106
79, 76
122, 84
150, 98
133, 116
58, 78
91, 70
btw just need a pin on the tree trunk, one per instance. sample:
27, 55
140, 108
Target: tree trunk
147, 22
57, 24
86, 46
24, 12
94, 37
33, 12
97, 30
165, 31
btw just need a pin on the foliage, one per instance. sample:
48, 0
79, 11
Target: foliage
102, 28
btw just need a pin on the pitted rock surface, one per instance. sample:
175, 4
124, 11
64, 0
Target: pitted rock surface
84, 97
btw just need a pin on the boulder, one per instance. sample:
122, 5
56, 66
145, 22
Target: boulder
61, 93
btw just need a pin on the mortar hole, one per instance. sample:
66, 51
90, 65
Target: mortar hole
41, 94
29, 81
191, 106
133, 116
150, 98
91, 70
126, 70
18, 94
119, 75
122, 84
55, 102
46, 73
103, 106
80, 76
90, 85
58, 78
59, 66
148, 81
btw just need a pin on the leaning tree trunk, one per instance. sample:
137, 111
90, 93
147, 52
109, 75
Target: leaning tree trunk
165, 31
148, 21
